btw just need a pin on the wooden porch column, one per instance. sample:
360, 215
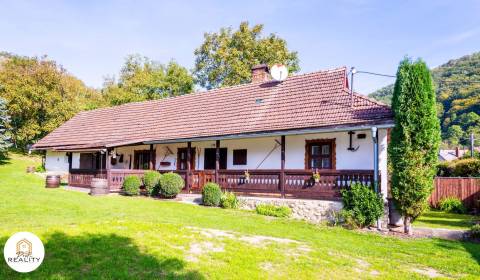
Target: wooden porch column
189, 156
150, 163
108, 167
282, 167
217, 159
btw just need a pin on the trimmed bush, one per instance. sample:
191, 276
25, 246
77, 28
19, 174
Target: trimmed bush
151, 181
452, 205
475, 231
465, 167
131, 185
171, 184
211, 194
469, 167
229, 200
272, 210
364, 204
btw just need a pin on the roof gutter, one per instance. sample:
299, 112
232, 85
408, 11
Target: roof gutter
274, 133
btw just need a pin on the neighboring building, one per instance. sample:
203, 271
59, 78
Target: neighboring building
450, 155
279, 131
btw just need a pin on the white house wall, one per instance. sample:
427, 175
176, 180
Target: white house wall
264, 153
56, 162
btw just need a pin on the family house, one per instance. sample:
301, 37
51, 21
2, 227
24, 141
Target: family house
263, 138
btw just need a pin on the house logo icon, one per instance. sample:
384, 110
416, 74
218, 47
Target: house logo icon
24, 248
24, 252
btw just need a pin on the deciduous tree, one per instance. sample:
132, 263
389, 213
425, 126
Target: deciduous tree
226, 58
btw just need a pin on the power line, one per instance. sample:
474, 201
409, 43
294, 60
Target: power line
376, 74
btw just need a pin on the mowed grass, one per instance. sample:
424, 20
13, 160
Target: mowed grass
117, 237
440, 219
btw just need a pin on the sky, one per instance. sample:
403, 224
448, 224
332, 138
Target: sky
92, 38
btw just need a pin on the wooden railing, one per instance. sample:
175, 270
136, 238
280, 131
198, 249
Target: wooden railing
297, 183
83, 177
116, 176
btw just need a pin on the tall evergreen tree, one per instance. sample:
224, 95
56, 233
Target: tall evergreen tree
4, 123
413, 150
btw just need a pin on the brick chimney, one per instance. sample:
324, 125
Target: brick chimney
260, 73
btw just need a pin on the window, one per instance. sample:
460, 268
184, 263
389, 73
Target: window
92, 161
142, 159
240, 157
210, 155
182, 159
320, 154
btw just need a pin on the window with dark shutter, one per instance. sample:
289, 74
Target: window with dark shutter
240, 157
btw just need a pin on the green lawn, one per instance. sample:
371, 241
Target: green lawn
439, 219
119, 237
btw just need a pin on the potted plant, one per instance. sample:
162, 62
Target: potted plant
247, 176
316, 176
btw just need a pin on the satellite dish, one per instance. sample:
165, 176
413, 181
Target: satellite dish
279, 72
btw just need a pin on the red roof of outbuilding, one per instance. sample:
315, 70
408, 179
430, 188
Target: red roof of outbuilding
313, 100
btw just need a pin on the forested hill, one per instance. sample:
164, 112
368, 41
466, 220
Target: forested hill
457, 84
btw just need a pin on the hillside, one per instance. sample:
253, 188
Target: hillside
457, 84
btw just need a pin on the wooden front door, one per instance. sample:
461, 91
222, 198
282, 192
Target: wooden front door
182, 159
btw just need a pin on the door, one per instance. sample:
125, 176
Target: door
209, 162
182, 159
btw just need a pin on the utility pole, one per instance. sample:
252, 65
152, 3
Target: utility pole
472, 140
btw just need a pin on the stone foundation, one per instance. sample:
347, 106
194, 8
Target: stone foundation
315, 211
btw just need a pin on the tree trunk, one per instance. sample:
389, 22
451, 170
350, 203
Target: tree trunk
407, 225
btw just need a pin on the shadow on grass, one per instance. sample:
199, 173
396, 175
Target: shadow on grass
100, 257
4, 160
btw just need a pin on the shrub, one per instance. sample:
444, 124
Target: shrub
211, 194
171, 184
348, 218
452, 205
151, 181
40, 169
469, 167
131, 185
272, 210
445, 169
229, 200
364, 204
475, 231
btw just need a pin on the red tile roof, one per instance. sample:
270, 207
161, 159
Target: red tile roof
313, 100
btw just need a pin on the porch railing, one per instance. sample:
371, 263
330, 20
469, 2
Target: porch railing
297, 183
83, 177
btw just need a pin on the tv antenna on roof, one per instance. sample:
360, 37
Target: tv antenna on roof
279, 72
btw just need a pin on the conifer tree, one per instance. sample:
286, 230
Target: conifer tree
413, 151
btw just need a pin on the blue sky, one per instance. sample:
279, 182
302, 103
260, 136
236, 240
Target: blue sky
91, 38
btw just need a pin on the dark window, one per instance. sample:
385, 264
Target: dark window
209, 161
142, 159
182, 159
86, 161
240, 157
320, 154
92, 161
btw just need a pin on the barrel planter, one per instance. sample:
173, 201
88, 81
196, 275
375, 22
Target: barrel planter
52, 181
99, 186
31, 169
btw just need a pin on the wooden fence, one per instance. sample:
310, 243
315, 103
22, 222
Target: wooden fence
464, 188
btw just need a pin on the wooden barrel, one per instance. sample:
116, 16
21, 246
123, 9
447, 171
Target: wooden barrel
99, 186
31, 169
52, 181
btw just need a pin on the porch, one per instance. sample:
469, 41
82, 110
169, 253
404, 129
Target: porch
295, 183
